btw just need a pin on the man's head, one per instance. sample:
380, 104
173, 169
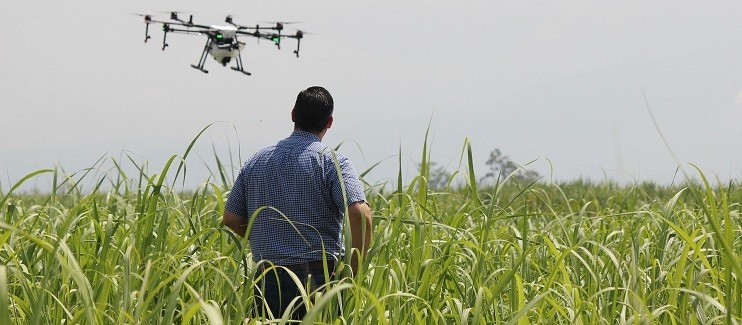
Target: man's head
313, 110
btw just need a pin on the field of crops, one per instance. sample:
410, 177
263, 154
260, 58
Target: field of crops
135, 251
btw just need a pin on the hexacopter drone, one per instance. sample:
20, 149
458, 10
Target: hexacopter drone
221, 41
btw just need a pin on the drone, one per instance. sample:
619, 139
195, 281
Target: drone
221, 41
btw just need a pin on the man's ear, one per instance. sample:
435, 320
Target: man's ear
293, 115
329, 122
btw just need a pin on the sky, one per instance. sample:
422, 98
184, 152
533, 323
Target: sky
582, 89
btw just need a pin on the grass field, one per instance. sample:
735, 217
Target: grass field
139, 252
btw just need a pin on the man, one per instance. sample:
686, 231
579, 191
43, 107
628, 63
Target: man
296, 195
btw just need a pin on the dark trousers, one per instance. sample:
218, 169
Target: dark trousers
277, 289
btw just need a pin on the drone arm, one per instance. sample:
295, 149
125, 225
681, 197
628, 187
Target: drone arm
185, 31
197, 26
257, 35
167, 29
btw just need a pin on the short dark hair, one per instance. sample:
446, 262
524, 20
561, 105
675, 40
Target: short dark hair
313, 109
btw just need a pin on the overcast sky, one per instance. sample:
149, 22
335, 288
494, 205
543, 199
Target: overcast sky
558, 81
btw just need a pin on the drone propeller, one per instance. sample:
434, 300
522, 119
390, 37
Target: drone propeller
146, 16
174, 16
282, 22
229, 20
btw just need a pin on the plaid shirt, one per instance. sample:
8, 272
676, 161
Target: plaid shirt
297, 180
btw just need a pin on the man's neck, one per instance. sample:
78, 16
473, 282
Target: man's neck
320, 134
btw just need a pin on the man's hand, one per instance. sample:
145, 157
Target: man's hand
235, 222
359, 215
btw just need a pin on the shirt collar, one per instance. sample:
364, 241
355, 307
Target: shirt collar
305, 135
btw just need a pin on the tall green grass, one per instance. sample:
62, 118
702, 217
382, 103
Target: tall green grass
135, 251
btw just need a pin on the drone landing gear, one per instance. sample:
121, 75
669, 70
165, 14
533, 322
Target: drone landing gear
199, 68
202, 60
240, 70
239, 65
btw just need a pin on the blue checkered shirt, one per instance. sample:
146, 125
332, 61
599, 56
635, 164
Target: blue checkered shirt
297, 179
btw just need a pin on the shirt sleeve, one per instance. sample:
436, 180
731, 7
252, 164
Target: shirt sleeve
353, 186
236, 202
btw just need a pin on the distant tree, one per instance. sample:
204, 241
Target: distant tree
500, 167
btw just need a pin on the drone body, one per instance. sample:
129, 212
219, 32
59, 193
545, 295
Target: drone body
226, 47
223, 46
221, 41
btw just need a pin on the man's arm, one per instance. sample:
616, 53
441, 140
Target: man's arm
359, 215
235, 222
